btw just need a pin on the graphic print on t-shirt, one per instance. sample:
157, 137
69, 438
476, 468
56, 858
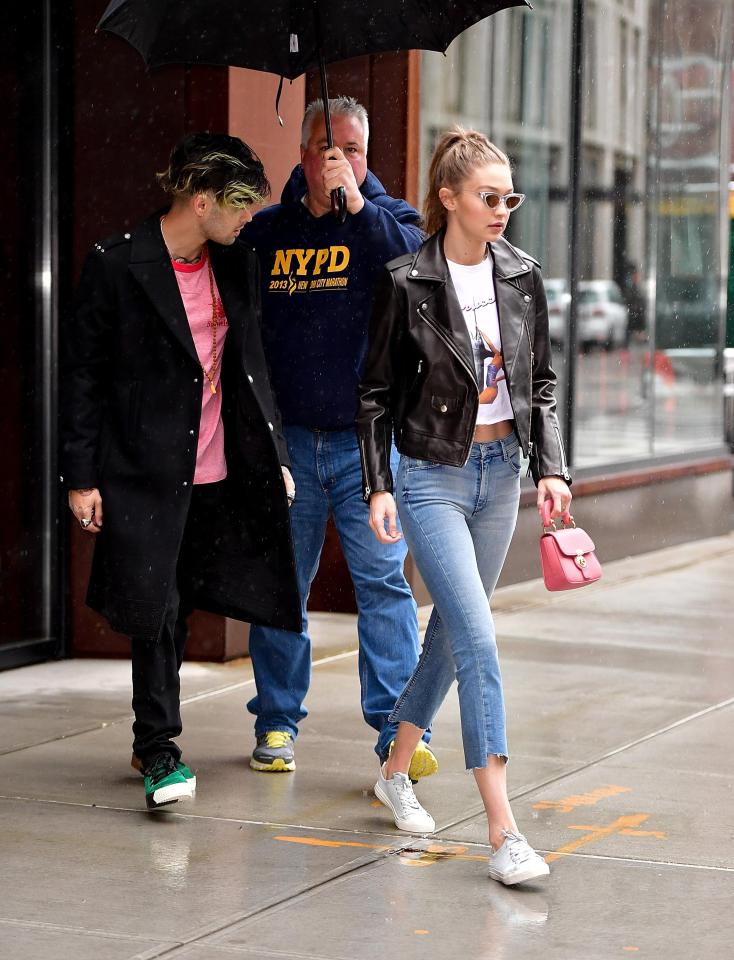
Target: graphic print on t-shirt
475, 291
489, 366
303, 269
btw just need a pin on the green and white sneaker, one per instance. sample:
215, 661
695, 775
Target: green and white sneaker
188, 775
164, 783
273, 753
137, 764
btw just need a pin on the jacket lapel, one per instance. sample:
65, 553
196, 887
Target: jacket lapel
440, 304
511, 303
151, 267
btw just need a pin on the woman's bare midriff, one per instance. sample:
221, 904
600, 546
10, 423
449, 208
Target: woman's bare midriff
487, 432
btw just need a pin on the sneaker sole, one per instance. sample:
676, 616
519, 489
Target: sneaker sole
170, 794
530, 873
382, 797
422, 764
275, 766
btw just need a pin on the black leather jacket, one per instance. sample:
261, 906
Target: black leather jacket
420, 382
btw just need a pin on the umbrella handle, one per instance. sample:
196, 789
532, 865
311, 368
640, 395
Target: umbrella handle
338, 196
339, 204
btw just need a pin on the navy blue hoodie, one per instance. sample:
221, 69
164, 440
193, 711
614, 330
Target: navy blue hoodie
318, 280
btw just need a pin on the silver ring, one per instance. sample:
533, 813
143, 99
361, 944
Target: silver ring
84, 522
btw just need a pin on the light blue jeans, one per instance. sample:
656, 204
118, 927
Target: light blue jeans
458, 523
328, 474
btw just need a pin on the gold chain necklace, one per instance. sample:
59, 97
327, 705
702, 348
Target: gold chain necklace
217, 311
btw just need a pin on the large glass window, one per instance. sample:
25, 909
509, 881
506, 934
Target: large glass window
612, 413
693, 57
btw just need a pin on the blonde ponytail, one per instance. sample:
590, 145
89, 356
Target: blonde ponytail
456, 155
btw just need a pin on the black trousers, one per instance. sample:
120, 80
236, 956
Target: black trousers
156, 661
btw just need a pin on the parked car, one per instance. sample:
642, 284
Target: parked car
558, 303
602, 313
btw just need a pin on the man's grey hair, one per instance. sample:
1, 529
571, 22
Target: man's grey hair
339, 107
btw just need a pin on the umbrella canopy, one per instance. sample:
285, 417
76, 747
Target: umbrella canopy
286, 37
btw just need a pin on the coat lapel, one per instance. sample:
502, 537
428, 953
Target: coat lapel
151, 267
237, 306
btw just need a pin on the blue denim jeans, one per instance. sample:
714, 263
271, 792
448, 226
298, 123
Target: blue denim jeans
327, 470
458, 523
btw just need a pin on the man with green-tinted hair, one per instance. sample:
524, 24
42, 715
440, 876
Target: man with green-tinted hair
171, 443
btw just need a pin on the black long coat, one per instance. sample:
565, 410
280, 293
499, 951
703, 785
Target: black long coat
131, 387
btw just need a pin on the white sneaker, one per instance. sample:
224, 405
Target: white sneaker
516, 861
397, 794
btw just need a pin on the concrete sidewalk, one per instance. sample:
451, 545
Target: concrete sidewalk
621, 720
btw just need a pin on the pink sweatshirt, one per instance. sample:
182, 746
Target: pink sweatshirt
193, 282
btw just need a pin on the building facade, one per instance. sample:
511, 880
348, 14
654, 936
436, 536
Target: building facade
616, 116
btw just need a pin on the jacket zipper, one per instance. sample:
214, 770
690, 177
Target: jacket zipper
363, 458
530, 417
532, 364
436, 329
564, 466
416, 377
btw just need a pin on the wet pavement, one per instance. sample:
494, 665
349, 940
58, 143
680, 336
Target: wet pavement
621, 719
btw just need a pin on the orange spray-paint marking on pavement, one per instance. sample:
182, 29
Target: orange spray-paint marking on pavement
622, 825
590, 799
417, 856
317, 842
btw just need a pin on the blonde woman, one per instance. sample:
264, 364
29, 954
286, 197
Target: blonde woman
458, 482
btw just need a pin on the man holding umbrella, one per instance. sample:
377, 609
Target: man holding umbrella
171, 446
318, 276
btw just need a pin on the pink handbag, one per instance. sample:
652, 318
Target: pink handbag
567, 555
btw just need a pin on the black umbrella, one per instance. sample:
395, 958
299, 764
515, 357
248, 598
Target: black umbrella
288, 37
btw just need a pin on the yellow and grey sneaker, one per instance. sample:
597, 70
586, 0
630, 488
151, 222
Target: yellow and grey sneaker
423, 763
137, 764
273, 752
164, 783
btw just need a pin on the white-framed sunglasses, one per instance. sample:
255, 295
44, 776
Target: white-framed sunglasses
511, 200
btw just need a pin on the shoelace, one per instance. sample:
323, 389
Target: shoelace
404, 790
276, 739
517, 847
161, 767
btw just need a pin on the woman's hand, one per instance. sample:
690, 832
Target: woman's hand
86, 505
555, 489
382, 508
